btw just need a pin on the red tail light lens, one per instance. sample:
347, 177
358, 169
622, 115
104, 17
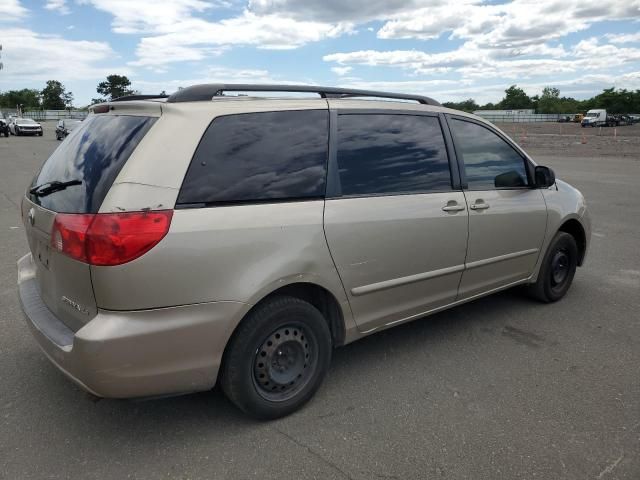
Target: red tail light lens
69, 234
109, 239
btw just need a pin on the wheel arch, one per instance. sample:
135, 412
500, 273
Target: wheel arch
574, 228
315, 294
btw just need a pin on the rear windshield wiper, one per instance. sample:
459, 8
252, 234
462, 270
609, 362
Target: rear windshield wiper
48, 188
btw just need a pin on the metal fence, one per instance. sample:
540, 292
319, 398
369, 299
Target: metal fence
43, 115
522, 118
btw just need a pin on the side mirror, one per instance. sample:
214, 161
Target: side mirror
544, 177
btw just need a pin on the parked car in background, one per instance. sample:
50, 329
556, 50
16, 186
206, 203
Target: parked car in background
65, 127
25, 126
290, 226
4, 127
564, 119
621, 120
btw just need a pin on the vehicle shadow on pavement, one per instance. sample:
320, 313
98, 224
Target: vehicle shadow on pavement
351, 366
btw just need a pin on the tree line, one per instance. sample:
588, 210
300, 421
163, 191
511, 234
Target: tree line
550, 101
54, 96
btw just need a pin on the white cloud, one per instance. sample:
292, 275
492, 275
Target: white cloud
414, 60
29, 56
58, 6
624, 37
513, 24
149, 16
174, 30
193, 39
216, 74
12, 10
470, 61
339, 10
341, 70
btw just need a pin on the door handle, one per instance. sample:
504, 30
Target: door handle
453, 207
479, 206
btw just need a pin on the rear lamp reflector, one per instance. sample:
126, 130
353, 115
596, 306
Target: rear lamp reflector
109, 239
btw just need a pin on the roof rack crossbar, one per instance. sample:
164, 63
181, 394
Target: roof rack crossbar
207, 92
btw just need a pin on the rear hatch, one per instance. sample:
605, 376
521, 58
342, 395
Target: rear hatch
75, 180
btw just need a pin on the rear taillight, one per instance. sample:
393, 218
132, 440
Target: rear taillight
109, 239
69, 234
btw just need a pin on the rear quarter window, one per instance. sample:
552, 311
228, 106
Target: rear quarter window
93, 153
259, 157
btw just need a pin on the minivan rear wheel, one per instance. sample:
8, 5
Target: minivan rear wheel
557, 270
277, 359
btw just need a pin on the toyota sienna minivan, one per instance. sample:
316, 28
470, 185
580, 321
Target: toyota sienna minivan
210, 237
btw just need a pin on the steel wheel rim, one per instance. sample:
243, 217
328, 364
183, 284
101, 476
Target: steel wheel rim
285, 362
559, 268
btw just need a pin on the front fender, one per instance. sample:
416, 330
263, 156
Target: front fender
564, 203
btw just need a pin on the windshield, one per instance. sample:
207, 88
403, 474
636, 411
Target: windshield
25, 120
94, 153
592, 114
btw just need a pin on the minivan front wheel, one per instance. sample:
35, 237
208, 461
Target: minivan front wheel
557, 270
277, 358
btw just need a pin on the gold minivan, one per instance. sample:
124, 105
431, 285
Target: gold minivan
215, 237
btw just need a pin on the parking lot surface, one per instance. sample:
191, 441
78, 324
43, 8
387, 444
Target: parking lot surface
502, 388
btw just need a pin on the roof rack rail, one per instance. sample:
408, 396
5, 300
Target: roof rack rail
206, 92
138, 97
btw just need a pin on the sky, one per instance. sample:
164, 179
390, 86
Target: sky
449, 50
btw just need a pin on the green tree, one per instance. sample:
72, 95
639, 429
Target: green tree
617, 101
28, 98
515, 99
116, 86
53, 96
468, 105
549, 101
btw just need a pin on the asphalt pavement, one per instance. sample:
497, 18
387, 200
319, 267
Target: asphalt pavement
502, 388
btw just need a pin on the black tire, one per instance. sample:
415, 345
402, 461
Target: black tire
557, 270
277, 358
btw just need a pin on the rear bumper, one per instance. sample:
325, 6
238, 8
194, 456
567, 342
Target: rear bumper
137, 353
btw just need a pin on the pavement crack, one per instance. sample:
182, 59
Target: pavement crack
609, 468
315, 454
10, 200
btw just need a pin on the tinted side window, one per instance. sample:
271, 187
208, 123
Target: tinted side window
489, 161
259, 157
388, 154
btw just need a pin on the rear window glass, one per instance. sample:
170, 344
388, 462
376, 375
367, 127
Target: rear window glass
259, 157
94, 154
